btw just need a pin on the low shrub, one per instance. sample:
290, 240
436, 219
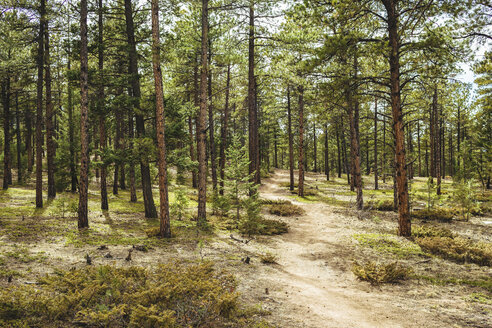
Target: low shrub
430, 231
434, 214
172, 295
274, 202
286, 210
458, 249
376, 273
380, 205
261, 226
386, 243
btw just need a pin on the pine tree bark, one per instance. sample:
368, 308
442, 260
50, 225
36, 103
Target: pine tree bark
28, 137
211, 125
131, 167
201, 122
224, 131
18, 137
101, 106
117, 147
376, 177
83, 221
437, 141
404, 224
39, 107
7, 160
254, 148
165, 226
150, 209
418, 146
300, 185
73, 174
327, 159
315, 148
291, 142
339, 152
353, 108
50, 142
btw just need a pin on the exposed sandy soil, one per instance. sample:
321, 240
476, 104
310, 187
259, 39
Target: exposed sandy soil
311, 285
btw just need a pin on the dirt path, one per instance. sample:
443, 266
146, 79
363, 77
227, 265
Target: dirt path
312, 286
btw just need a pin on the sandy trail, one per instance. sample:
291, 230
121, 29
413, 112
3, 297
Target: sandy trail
308, 283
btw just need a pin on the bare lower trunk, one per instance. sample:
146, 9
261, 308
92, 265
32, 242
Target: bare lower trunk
404, 224
327, 159
224, 131
100, 105
165, 226
291, 143
375, 144
50, 142
201, 122
18, 137
131, 167
83, 221
7, 160
150, 210
39, 108
300, 186
254, 166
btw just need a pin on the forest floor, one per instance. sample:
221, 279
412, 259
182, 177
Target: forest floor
310, 285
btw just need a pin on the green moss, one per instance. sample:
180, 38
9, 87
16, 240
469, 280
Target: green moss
386, 243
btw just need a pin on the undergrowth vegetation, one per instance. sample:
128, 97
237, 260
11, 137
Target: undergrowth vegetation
171, 295
285, 210
377, 273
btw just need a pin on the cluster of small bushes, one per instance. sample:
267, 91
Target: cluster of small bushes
377, 273
457, 249
171, 295
430, 231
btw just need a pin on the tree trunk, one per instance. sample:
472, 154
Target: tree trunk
150, 210
458, 139
327, 159
275, 146
83, 221
101, 106
192, 151
437, 142
376, 187
71, 142
18, 135
28, 137
353, 107
131, 167
291, 141
404, 224
345, 160
117, 147
202, 116
39, 108
7, 160
254, 148
50, 143
383, 165
339, 152
418, 146
165, 226
211, 127
224, 130
300, 185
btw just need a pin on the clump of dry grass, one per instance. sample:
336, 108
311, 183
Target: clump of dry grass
430, 231
377, 273
286, 210
458, 249
268, 258
434, 214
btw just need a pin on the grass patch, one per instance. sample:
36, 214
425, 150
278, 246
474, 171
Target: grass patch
480, 282
171, 295
458, 249
479, 298
263, 226
274, 202
286, 210
430, 231
380, 205
377, 273
435, 214
386, 243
